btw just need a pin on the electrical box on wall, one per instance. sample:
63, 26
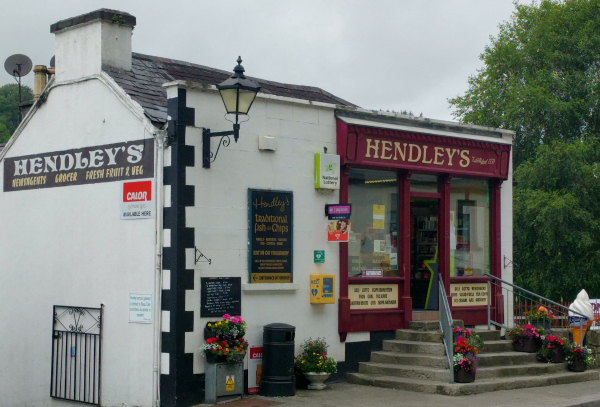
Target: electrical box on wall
322, 288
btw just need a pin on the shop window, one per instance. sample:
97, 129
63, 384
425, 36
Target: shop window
373, 245
424, 183
469, 227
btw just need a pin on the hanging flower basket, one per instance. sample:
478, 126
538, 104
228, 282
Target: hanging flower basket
464, 376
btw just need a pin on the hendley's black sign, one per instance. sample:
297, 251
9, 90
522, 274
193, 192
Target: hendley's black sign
89, 165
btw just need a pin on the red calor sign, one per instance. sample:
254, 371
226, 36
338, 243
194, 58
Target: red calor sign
137, 200
137, 191
254, 369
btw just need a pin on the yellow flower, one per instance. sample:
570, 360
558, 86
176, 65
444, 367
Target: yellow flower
302, 361
209, 324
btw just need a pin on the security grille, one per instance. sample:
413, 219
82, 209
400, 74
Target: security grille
76, 354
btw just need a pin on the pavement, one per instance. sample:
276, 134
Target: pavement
586, 394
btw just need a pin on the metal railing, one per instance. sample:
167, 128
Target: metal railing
446, 326
76, 354
520, 303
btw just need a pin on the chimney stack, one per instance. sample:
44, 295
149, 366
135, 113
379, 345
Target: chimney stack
40, 80
86, 43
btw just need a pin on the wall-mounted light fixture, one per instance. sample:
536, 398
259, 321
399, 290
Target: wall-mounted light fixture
238, 94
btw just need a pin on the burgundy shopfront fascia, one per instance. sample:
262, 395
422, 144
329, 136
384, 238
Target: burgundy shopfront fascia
408, 153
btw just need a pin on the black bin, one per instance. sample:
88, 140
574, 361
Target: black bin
277, 376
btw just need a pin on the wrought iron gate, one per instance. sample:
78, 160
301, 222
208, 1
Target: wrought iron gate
76, 354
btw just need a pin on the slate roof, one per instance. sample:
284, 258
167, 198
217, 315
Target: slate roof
148, 73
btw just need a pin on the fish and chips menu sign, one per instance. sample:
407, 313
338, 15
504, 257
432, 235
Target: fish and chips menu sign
373, 296
89, 165
270, 236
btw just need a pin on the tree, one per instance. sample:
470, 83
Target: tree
9, 108
541, 76
557, 220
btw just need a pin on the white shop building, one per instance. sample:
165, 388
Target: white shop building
109, 221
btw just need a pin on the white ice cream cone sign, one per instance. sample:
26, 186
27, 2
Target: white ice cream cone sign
581, 316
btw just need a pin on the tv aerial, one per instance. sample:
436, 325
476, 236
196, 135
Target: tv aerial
18, 65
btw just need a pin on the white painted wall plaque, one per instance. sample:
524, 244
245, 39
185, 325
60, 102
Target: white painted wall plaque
140, 308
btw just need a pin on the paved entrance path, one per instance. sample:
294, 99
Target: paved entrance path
349, 395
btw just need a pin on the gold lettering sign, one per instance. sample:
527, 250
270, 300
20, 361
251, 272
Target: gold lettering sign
469, 295
415, 153
373, 296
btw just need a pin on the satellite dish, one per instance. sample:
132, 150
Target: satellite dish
18, 65
52, 63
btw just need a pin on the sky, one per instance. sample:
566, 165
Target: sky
378, 54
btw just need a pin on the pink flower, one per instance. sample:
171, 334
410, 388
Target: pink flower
226, 316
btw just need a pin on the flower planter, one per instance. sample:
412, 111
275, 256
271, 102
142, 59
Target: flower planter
464, 376
558, 356
214, 358
578, 366
316, 380
528, 345
540, 323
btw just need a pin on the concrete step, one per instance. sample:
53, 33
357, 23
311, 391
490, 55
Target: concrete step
424, 325
416, 372
418, 336
530, 369
486, 335
410, 359
432, 325
413, 347
496, 346
425, 316
479, 386
505, 358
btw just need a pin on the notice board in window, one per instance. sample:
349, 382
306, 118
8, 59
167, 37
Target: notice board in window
220, 295
270, 231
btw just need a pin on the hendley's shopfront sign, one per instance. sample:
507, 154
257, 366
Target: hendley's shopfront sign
399, 149
89, 165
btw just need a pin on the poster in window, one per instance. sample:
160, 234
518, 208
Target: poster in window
378, 216
270, 236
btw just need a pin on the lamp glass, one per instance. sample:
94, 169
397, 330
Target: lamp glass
246, 99
229, 97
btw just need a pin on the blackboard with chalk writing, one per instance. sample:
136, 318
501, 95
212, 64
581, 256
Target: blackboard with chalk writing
220, 295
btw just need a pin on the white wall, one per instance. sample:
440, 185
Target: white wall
221, 213
67, 246
506, 208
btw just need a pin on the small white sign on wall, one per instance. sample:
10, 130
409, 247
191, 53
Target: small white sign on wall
327, 171
140, 308
137, 200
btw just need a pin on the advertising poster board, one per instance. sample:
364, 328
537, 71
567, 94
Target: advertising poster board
270, 230
254, 368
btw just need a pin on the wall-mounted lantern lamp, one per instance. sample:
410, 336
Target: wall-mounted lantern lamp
238, 93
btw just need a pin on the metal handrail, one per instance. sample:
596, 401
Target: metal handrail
446, 326
522, 292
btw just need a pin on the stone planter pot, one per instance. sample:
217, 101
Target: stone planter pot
316, 380
528, 345
463, 376
558, 356
578, 366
